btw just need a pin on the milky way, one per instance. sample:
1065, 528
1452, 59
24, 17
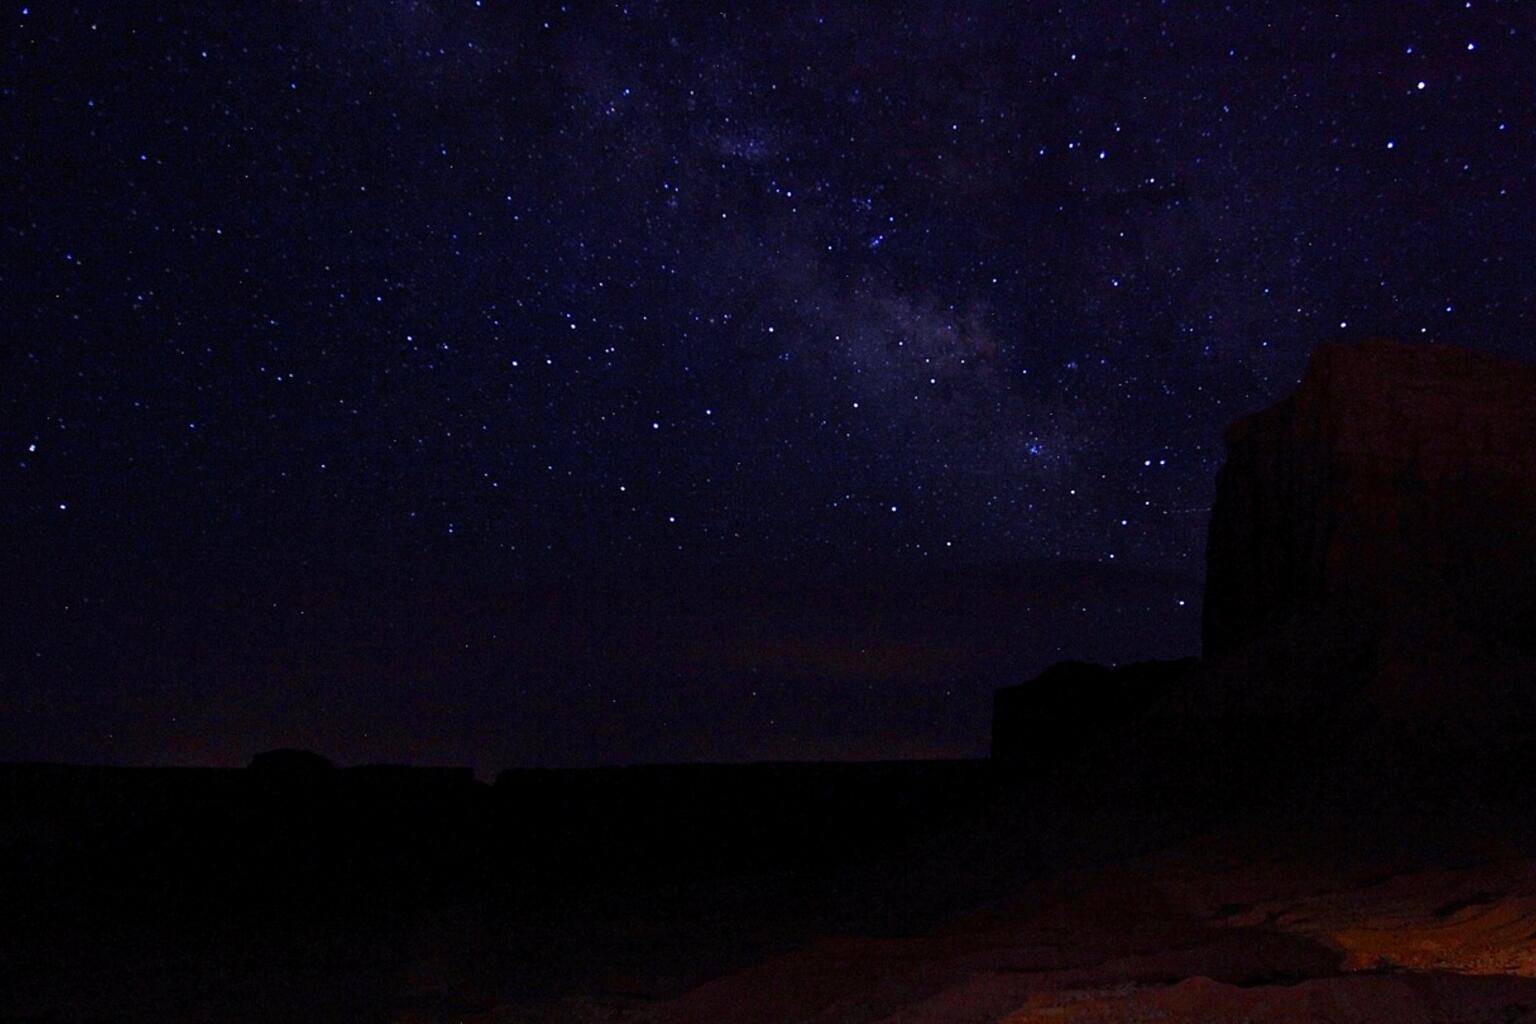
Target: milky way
585, 288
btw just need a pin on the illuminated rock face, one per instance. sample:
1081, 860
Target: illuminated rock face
1397, 485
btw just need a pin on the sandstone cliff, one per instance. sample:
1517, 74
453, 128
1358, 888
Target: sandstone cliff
1398, 482
1370, 604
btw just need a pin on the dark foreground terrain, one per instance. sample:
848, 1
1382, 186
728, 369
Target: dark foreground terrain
940, 891
293, 890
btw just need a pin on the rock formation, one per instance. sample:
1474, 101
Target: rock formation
1370, 603
1072, 705
1397, 483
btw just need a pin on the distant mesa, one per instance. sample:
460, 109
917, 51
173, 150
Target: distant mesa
1370, 582
1074, 705
296, 768
289, 763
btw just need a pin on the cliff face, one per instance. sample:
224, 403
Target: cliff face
1370, 602
1397, 485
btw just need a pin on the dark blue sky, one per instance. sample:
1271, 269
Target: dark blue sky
577, 290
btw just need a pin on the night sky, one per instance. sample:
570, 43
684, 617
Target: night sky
519, 383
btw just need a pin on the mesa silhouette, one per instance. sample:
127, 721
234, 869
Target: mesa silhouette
1370, 599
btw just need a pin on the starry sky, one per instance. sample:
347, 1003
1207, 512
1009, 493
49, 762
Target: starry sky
487, 309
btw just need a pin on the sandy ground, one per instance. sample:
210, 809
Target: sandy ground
1235, 927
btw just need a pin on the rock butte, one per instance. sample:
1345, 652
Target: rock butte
1398, 481
1370, 586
